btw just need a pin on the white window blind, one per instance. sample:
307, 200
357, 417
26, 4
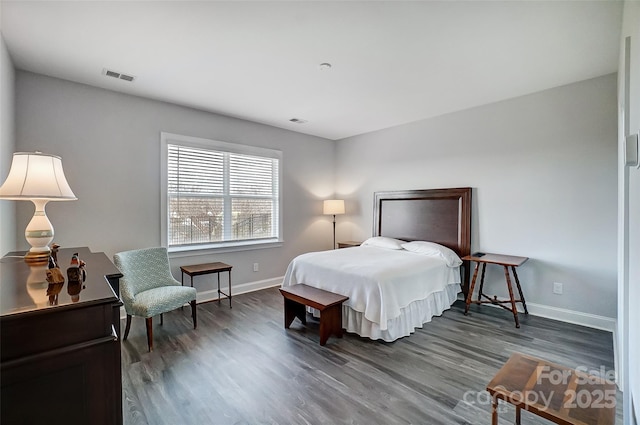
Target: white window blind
219, 194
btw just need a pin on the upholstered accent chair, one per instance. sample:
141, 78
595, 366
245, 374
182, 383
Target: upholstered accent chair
148, 288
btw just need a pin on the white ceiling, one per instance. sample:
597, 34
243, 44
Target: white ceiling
392, 62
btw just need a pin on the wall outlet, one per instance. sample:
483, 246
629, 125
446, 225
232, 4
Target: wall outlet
557, 288
256, 267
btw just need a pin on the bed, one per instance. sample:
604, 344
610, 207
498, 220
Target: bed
408, 272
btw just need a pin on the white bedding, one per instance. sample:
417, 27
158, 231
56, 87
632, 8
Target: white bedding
383, 285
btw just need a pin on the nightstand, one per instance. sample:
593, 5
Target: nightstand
348, 244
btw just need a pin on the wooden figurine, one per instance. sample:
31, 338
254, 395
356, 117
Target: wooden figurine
54, 253
76, 274
76, 271
54, 275
55, 279
52, 292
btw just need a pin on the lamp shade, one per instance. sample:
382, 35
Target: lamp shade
333, 206
35, 175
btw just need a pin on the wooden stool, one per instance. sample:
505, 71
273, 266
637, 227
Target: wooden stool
557, 393
296, 297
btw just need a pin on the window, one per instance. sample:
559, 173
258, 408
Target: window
217, 194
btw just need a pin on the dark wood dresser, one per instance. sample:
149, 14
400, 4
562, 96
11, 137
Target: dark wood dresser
60, 344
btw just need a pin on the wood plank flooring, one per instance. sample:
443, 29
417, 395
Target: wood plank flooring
242, 367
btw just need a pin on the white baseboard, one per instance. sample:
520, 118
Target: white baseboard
571, 316
243, 288
212, 295
564, 315
616, 360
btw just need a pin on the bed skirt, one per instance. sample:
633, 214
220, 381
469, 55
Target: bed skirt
413, 316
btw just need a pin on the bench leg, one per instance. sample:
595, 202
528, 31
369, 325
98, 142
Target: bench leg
330, 323
292, 310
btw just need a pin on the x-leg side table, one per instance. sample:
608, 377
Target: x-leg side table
506, 261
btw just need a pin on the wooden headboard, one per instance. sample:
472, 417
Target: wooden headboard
437, 215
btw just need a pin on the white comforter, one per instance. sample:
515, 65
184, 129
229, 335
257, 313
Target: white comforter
379, 282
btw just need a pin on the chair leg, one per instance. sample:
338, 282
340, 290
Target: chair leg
193, 314
161, 320
127, 327
149, 321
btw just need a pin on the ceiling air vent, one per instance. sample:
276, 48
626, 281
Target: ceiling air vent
118, 75
126, 77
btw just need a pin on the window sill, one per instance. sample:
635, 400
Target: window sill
186, 251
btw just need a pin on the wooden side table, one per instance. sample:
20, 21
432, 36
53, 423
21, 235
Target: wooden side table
348, 244
505, 261
557, 393
200, 269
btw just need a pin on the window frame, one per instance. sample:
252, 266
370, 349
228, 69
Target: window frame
167, 139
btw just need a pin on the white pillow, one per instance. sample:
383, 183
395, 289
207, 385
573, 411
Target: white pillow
433, 249
384, 242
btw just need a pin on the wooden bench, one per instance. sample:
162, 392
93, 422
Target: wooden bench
296, 297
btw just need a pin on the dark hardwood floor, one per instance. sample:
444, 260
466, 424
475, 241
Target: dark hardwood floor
242, 367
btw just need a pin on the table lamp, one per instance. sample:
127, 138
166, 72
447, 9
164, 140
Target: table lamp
333, 207
39, 178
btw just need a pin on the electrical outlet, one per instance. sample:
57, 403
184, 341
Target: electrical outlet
557, 288
256, 267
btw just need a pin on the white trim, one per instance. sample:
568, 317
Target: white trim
230, 248
233, 148
564, 315
616, 360
212, 294
199, 142
571, 316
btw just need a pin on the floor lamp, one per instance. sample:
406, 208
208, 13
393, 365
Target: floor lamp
333, 207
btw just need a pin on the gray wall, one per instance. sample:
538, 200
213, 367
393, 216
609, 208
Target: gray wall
110, 146
7, 147
543, 169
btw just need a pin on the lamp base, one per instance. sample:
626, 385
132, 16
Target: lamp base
39, 234
37, 258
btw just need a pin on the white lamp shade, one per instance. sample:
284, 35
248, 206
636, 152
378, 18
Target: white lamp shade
36, 176
333, 206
